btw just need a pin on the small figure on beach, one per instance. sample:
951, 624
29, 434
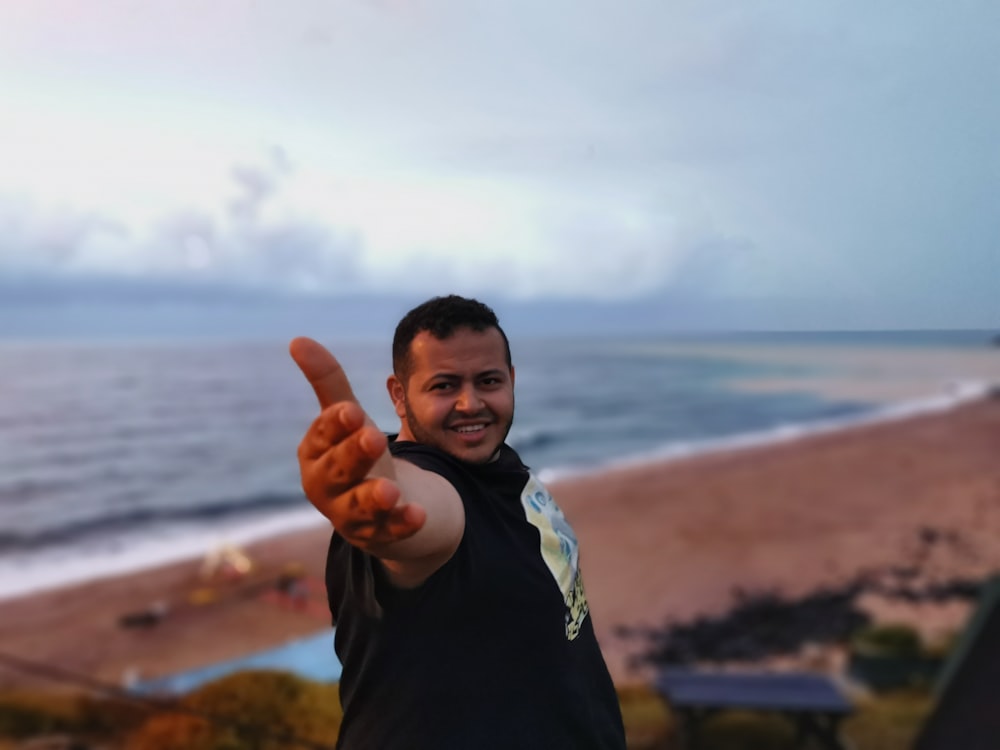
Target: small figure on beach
291, 585
227, 563
452, 576
145, 618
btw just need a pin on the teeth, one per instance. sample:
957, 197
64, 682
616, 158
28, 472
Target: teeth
469, 428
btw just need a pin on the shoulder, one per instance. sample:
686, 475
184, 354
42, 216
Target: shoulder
424, 456
434, 459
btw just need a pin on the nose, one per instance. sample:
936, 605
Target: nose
468, 400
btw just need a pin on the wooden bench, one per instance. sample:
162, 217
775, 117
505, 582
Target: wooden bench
812, 702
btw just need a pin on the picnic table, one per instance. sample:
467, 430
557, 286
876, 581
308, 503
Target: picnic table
812, 702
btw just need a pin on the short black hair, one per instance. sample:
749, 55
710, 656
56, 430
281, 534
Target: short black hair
441, 317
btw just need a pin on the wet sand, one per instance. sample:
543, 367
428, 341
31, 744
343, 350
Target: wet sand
662, 541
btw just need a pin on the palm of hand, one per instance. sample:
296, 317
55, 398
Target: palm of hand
347, 472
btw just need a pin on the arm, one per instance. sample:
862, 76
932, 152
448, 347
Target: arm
412, 520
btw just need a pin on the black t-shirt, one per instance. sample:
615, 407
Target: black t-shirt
495, 650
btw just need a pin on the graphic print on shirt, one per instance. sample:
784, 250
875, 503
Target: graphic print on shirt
559, 549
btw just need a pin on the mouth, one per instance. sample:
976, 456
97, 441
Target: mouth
470, 430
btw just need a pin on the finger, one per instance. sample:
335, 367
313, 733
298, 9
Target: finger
343, 465
364, 501
361, 506
334, 425
357, 500
341, 468
386, 527
355, 457
322, 370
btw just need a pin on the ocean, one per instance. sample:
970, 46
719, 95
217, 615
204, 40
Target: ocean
116, 455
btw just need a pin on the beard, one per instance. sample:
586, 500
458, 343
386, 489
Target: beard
426, 436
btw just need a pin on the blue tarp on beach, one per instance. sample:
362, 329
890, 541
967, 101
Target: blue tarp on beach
312, 658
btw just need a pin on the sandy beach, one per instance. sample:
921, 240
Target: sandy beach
660, 542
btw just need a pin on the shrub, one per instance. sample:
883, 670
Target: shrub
180, 731
104, 716
256, 710
890, 720
895, 640
30, 715
645, 714
740, 730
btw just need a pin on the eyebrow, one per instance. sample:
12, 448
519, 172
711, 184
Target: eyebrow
452, 376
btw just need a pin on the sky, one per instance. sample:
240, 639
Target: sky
172, 166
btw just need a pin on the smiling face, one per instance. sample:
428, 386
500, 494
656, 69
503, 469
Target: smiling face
458, 393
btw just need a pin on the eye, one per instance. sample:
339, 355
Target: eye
440, 386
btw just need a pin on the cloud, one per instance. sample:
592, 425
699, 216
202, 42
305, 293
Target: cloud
704, 151
247, 246
51, 239
257, 183
291, 229
236, 245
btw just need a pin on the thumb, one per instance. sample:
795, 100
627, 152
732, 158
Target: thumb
322, 370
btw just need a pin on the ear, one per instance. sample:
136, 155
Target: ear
397, 392
512, 375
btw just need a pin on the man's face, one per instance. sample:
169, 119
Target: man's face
459, 395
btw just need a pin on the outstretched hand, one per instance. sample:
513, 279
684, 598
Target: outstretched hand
347, 471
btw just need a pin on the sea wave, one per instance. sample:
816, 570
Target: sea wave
530, 439
957, 394
138, 540
60, 565
121, 523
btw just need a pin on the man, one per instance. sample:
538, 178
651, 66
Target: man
452, 576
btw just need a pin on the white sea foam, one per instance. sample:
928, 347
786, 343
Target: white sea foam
957, 393
77, 564
572, 403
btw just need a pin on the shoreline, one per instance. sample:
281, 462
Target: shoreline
881, 412
789, 518
180, 547
669, 539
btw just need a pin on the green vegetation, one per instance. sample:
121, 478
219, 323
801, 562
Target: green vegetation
647, 719
888, 721
25, 714
259, 710
894, 657
901, 641
252, 710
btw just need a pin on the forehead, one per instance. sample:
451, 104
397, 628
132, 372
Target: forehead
465, 350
